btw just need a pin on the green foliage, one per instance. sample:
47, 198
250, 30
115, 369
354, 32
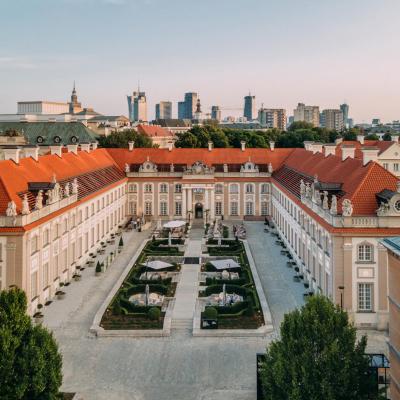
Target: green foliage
30, 364
121, 242
154, 313
121, 139
387, 137
117, 307
372, 136
317, 357
351, 134
98, 266
210, 313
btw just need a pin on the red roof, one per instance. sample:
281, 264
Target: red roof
190, 156
381, 145
154, 131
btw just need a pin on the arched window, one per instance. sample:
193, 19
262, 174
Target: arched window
264, 188
234, 188
249, 188
365, 252
218, 188
163, 188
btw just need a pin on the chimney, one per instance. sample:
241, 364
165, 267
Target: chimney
347, 151
330, 149
243, 145
85, 147
94, 145
12, 153
272, 146
369, 154
308, 145
131, 146
360, 138
395, 138
210, 145
338, 140
72, 148
170, 145
316, 148
32, 151
56, 149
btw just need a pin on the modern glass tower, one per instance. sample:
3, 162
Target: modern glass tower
250, 111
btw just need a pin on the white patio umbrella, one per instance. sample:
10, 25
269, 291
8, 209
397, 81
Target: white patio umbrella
225, 264
157, 264
174, 224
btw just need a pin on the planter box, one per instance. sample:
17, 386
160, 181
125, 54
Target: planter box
77, 278
61, 296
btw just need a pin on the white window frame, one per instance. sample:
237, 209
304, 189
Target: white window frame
365, 295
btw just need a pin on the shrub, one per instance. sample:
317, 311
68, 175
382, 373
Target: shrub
210, 313
117, 308
98, 266
121, 242
154, 313
225, 232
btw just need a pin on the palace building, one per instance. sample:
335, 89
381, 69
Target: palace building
330, 211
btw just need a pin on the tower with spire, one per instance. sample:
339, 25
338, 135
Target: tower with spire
74, 106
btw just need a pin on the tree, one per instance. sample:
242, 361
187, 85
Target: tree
300, 125
372, 136
387, 137
317, 357
30, 364
121, 139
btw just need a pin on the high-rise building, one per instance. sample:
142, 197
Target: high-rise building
164, 110
137, 106
308, 114
216, 113
344, 108
250, 111
272, 118
333, 119
181, 110
190, 104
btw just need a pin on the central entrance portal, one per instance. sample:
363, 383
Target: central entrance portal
198, 210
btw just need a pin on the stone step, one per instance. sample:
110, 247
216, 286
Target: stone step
182, 324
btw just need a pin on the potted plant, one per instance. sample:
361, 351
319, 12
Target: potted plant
306, 285
77, 277
60, 294
38, 316
98, 269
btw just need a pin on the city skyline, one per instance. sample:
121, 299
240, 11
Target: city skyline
222, 63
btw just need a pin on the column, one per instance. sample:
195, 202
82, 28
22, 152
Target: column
212, 204
206, 206
190, 205
184, 203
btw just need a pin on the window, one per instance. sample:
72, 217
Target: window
386, 165
65, 225
249, 188
132, 208
249, 208
178, 188
147, 208
34, 285
178, 208
264, 208
396, 167
218, 208
46, 277
364, 252
148, 188
365, 296
46, 237
219, 188
163, 208
86, 212
34, 244
234, 208
163, 188
92, 209
234, 188
264, 188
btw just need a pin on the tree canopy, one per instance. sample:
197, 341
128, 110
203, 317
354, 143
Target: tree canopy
317, 357
30, 364
121, 139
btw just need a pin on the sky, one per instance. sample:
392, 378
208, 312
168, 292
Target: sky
320, 52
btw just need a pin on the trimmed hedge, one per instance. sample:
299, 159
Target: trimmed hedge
215, 281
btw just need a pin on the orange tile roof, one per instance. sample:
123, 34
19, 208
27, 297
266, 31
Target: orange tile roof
190, 156
154, 131
359, 183
382, 146
14, 177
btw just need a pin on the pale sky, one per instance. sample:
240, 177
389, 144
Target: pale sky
321, 52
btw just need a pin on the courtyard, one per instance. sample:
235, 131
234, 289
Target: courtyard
179, 366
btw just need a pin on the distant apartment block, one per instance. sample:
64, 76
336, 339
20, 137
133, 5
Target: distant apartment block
250, 111
164, 110
216, 113
272, 118
332, 119
305, 113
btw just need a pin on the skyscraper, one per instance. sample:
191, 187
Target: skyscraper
164, 110
137, 106
181, 110
272, 118
308, 114
190, 104
216, 113
345, 110
333, 119
250, 107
